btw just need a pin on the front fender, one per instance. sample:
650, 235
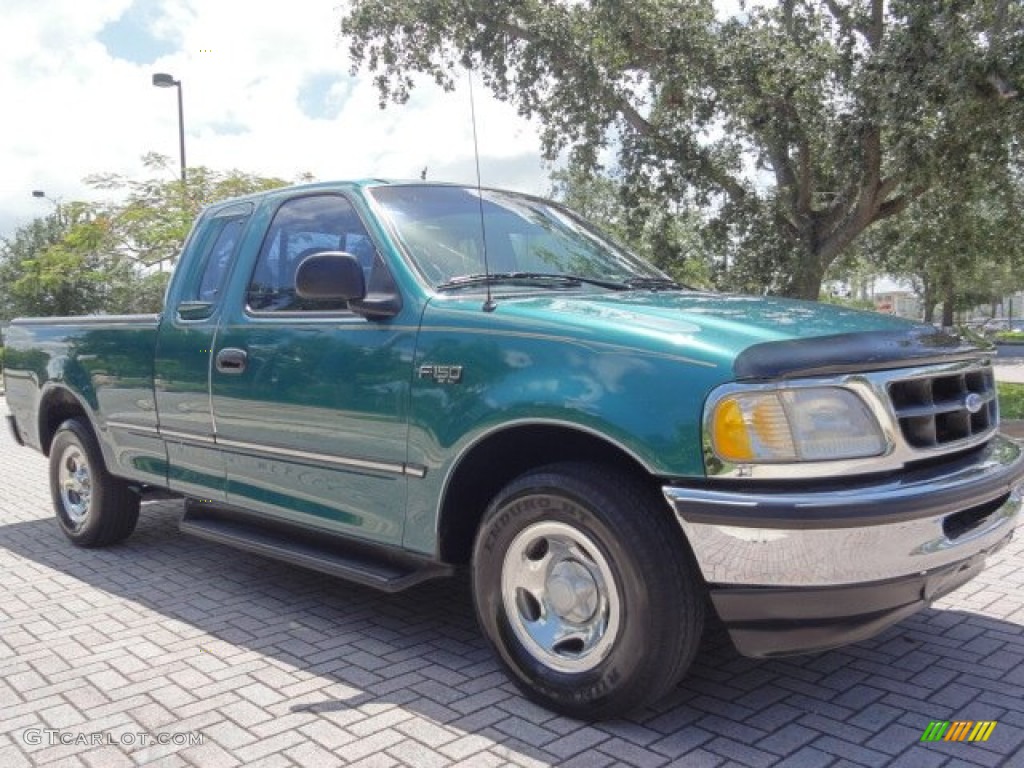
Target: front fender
645, 402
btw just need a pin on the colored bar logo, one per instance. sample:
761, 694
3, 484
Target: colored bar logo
958, 730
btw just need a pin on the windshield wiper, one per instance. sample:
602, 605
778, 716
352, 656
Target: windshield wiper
555, 279
655, 283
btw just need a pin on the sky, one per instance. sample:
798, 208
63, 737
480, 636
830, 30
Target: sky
267, 90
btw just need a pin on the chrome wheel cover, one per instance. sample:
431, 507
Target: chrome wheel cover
560, 597
75, 482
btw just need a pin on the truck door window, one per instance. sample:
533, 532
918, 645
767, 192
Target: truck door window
301, 227
218, 258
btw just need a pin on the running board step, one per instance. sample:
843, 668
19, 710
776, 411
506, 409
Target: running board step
363, 563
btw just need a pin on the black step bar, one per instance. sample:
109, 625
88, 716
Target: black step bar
362, 562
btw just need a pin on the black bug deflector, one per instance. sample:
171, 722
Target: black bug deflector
852, 353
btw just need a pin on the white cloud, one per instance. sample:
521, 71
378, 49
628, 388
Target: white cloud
73, 109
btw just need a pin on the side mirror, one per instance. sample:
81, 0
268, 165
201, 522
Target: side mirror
330, 276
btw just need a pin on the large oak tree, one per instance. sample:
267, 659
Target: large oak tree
793, 125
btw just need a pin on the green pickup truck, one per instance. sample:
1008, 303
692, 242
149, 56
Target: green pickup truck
388, 381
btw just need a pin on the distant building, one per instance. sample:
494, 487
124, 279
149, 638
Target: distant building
901, 303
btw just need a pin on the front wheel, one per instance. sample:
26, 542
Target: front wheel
586, 590
93, 507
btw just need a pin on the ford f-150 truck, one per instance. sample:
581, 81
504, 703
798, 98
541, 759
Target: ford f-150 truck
387, 381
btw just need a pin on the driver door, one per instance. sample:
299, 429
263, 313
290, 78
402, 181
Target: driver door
309, 399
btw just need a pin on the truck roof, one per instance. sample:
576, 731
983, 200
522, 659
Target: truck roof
349, 185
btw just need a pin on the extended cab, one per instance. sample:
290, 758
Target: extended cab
385, 381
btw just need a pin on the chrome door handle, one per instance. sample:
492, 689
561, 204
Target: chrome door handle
231, 360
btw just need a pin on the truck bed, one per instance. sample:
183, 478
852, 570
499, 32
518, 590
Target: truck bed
106, 363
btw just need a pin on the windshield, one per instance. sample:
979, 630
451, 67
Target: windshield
441, 229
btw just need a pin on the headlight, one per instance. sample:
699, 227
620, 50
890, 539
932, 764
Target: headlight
800, 424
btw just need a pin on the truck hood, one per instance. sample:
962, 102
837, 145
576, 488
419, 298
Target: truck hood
757, 337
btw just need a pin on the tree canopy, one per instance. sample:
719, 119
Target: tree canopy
667, 238
150, 218
959, 246
45, 270
792, 125
110, 256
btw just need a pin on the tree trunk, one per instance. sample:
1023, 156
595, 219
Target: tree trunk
928, 299
947, 314
807, 280
948, 297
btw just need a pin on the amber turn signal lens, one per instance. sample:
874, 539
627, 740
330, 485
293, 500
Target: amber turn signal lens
732, 441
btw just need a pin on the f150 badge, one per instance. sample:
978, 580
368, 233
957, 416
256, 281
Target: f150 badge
441, 374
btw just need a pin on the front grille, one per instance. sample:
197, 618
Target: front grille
946, 409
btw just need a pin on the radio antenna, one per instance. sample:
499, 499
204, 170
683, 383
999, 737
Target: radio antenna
489, 305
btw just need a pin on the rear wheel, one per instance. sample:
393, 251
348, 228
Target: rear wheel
586, 590
93, 507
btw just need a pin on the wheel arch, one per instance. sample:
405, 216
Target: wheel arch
57, 405
497, 458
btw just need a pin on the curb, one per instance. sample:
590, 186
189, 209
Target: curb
1013, 428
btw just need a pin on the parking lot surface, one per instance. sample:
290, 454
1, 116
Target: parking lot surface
235, 660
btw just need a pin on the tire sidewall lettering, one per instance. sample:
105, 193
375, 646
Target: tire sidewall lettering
540, 503
514, 515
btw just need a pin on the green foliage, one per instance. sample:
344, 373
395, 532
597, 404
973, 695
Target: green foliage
843, 301
151, 218
793, 125
670, 240
1011, 400
961, 246
44, 271
111, 257
1010, 337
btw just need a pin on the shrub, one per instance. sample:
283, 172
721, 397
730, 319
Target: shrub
1011, 400
1010, 337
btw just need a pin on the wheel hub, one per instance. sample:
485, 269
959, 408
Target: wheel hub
572, 591
560, 596
75, 484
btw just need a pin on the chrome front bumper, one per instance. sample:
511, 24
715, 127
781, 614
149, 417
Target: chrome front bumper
856, 532
797, 572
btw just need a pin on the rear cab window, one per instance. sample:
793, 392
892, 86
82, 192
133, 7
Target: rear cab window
223, 232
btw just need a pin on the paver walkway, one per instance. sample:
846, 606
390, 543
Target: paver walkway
271, 665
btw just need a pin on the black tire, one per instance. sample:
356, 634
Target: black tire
94, 508
624, 645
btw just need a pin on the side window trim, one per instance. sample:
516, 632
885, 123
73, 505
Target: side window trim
239, 214
233, 228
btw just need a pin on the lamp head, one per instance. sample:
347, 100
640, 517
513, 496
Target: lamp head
163, 80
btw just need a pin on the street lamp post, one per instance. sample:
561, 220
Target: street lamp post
163, 80
38, 193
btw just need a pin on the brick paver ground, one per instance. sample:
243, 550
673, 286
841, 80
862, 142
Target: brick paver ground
275, 666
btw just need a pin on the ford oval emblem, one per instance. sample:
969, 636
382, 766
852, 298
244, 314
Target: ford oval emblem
973, 402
